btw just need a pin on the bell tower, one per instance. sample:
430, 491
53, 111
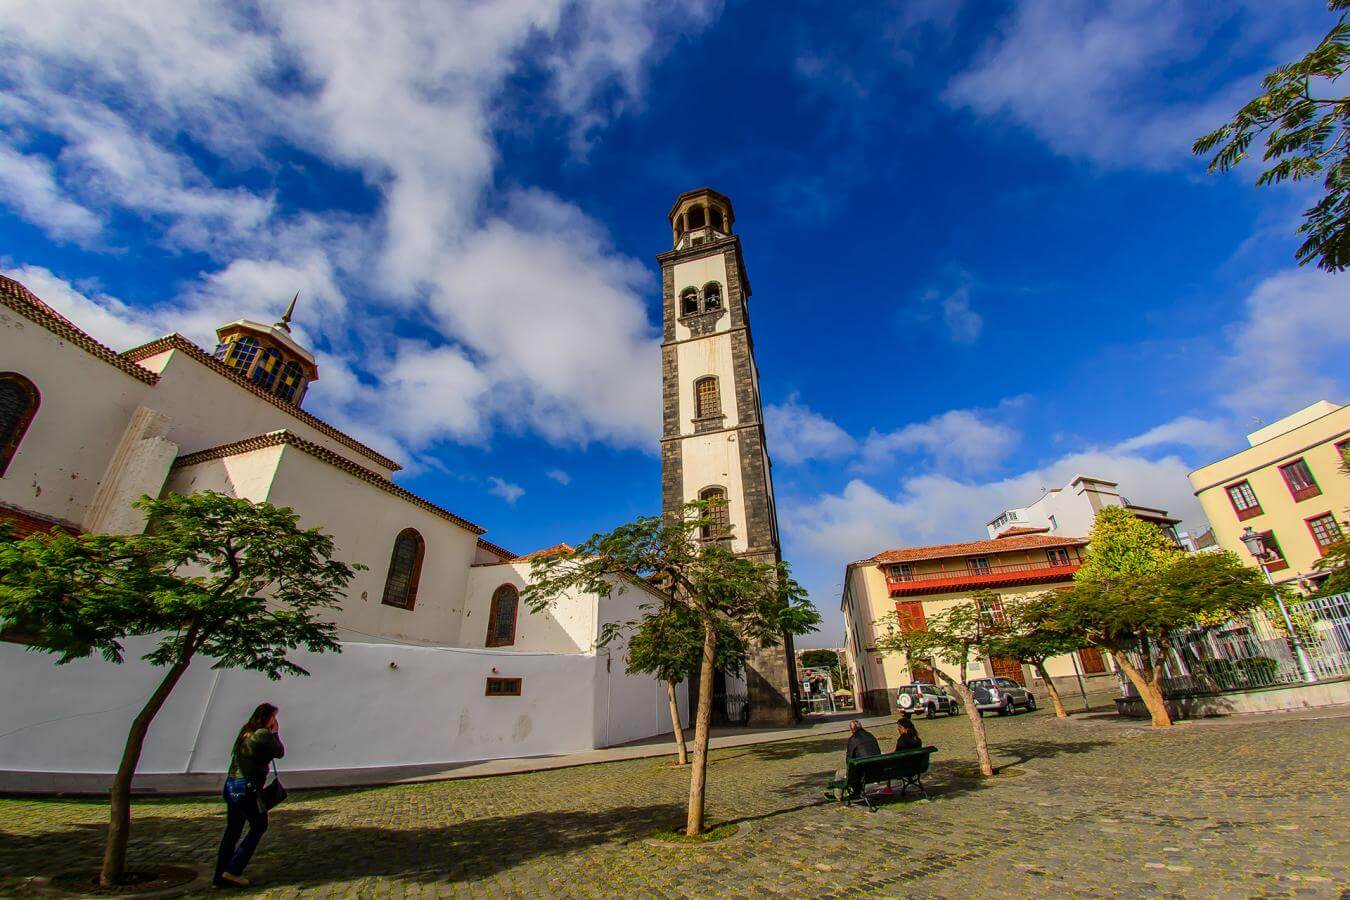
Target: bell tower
712, 441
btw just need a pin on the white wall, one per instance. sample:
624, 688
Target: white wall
629, 707
696, 273
568, 626
353, 712
715, 459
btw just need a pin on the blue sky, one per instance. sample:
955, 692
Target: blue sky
983, 258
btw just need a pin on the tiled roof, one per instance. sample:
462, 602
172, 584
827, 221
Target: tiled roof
180, 343
555, 550
1020, 530
976, 548
30, 306
23, 523
497, 549
276, 438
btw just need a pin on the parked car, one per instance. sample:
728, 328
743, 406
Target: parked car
927, 699
1001, 695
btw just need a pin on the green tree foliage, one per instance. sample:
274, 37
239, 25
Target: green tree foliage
1122, 544
955, 637
702, 578
1306, 127
240, 583
1335, 560
1134, 608
1028, 633
819, 659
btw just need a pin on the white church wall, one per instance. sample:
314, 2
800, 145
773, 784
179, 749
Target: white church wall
709, 357
568, 626
628, 707
84, 407
714, 459
696, 273
208, 410
372, 705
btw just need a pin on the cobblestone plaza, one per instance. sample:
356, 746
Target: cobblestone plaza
1250, 807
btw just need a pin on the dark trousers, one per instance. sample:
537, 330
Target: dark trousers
242, 806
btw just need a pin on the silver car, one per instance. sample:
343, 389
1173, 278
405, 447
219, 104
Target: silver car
1001, 695
921, 697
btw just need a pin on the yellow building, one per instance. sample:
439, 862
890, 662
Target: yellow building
1289, 486
919, 582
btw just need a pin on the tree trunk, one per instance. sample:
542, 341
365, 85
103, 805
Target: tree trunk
1150, 690
119, 812
1054, 691
676, 725
976, 723
702, 719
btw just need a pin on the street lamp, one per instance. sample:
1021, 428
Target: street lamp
1256, 546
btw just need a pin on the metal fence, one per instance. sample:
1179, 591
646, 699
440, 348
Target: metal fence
1258, 650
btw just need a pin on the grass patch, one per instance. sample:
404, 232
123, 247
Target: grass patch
711, 834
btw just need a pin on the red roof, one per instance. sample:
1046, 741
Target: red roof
555, 550
1020, 529
976, 548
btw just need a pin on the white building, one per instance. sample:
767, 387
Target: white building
1071, 510
440, 663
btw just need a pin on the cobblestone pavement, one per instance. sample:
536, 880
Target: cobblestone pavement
1255, 808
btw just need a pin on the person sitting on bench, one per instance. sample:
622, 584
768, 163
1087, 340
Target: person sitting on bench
909, 735
861, 742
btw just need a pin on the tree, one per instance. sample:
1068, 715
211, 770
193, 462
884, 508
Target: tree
951, 637
760, 601
1307, 134
1336, 560
215, 576
819, 659
668, 645
1029, 634
1135, 588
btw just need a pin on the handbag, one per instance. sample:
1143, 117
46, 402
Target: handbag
274, 791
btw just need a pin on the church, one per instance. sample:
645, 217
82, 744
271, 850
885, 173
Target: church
441, 664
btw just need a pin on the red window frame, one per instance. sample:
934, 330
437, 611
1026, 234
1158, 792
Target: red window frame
1302, 488
1248, 512
909, 615
1277, 562
978, 565
1334, 532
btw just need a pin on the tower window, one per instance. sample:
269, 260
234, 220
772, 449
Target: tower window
718, 515
405, 569
712, 296
265, 372
291, 381
502, 617
241, 353
688, 301
707, 398
715, 216
696, 219
19, 401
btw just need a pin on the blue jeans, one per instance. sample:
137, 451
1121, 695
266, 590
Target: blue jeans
242, 805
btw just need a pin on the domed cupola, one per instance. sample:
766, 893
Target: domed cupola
268, 356
700, 217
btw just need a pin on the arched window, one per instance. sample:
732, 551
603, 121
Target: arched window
712, 296
689, 301
291, 382
405, 569
715, 217
242, 353
707, 399
265, 372
501, 630
719, 516
696, 219
19, 401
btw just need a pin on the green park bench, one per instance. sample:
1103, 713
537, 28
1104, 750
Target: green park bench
906, 767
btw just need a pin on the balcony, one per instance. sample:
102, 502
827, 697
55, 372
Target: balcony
979, 577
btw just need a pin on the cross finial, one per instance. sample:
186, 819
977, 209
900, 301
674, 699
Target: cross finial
285, 323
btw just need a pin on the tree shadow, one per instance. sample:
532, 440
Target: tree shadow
301, 850
1025, 751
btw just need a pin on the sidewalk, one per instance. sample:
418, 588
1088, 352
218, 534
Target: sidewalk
167, 784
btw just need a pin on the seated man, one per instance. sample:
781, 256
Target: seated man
861, 742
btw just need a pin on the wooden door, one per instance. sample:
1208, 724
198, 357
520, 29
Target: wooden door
1007, 668
1090, 658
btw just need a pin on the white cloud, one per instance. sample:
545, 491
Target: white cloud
1186, 431
559, 476
963, 323
525, 306
107, 319
1288, 348
1083, 76
505, 489
950, 303
964, 440
797, 433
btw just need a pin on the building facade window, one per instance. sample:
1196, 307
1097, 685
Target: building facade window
1057, 556
265, 372
502, 617
707, 398
1090, 658
1325, 531
1244, 500
19, 400
718, 515
978, 565
405, 569
503, 687
992, 612
901, 572
1274, 560
1300, 480
291, 383
909, 615
712, 296
241, 352
688, 301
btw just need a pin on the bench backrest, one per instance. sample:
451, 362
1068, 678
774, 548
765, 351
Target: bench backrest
888, 765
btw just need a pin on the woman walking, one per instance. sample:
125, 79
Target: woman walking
258, 743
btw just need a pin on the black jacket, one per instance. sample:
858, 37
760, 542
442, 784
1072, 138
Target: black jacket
862, 743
